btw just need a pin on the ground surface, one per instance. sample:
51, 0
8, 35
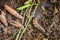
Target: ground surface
50, 22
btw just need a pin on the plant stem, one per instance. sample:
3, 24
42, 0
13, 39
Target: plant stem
17, 37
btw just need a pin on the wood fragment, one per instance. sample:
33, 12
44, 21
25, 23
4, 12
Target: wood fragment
12, 11
38, 26
16, 24
3, 18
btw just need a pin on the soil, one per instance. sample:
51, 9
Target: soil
49, 21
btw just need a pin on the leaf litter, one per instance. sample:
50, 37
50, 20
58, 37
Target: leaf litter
49, 16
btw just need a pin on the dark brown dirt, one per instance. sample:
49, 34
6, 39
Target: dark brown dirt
50, 21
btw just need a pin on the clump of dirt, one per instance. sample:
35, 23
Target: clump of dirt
48, 19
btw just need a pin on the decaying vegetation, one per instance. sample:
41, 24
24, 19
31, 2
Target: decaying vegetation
29, 20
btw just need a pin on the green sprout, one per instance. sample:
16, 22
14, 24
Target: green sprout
25, 6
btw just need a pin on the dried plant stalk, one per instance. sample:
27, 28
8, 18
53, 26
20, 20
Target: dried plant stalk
3, 18
17, 24
38, 26
12, 11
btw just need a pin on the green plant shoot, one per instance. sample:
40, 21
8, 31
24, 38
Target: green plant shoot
25, 6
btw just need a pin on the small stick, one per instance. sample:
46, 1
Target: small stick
12, 11
3, 18
38, 26
17, 24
